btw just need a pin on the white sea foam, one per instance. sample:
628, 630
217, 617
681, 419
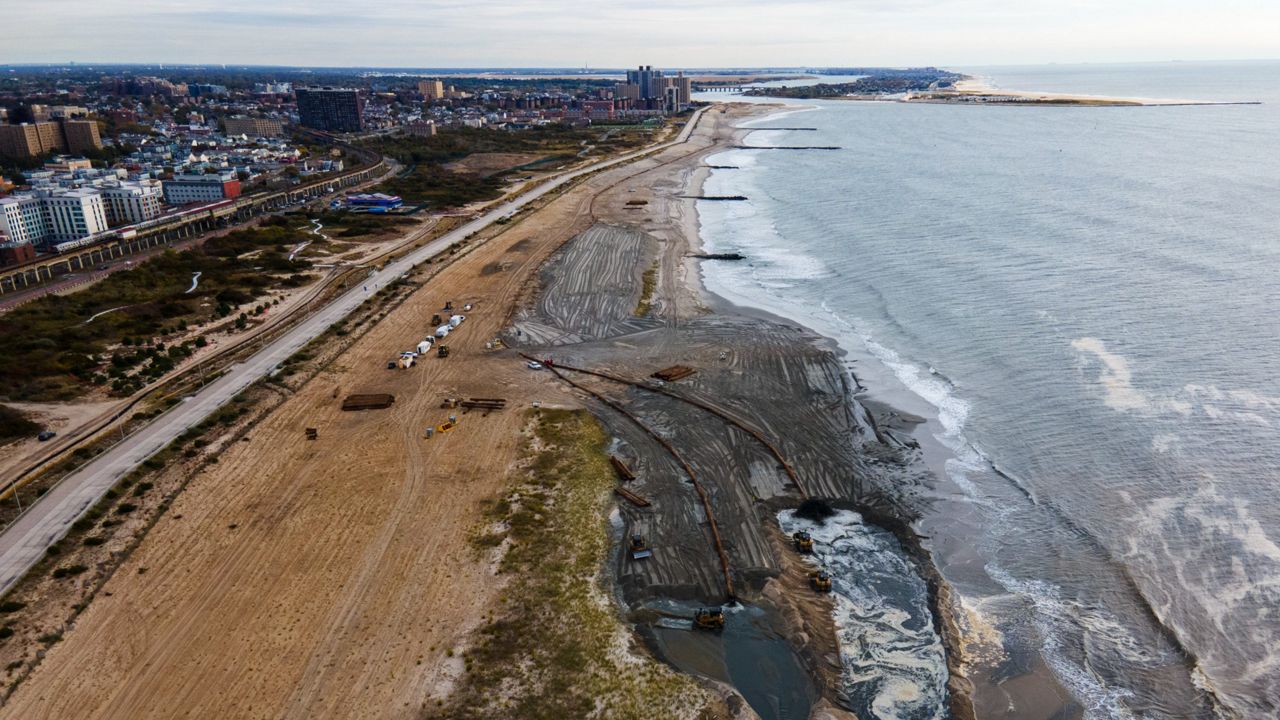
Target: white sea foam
1052, 616
1191, 533
1120, 393
893, 660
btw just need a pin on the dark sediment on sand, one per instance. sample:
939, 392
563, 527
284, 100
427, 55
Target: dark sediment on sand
766, 373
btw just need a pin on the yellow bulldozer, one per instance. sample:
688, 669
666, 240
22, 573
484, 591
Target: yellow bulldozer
803, 541
820, 581
708, 619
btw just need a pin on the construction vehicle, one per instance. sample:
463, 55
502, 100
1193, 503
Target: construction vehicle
708, 619
312, 433
435, 319
442, 351
639, 549
448, 306
820, 581
803, 541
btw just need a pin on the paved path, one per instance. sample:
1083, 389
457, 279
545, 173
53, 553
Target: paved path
25, 541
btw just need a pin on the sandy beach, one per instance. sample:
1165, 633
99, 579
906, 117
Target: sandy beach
291, 568
980, 90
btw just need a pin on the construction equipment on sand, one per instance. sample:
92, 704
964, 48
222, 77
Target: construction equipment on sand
639, 550
312, 433
442, 351
435, 320
621, 468
708, 619
449, 403
446, 427
448, 305
484, 403
820, 581
803, 541
673, 373
631, 497
368, 402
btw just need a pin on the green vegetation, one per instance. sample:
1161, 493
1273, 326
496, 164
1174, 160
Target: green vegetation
344, 224
53, 352
457, 143
441, 188
556, 649
427, 181
14, 425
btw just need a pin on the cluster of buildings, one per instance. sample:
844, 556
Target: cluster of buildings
179, 143
71, 201
649, 89
64, 134
646, 93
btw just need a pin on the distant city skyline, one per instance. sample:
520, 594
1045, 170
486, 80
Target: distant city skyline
610, 33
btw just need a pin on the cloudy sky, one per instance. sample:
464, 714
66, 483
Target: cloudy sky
613, 33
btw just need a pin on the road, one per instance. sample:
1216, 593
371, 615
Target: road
25, 541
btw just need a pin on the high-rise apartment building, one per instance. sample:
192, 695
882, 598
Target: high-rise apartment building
128, 202
33, 139
23, 219
648, 80
81, 135
53, 216
684, 89
75, 214
431, 89
331, 109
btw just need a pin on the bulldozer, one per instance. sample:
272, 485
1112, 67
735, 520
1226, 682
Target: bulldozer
708, 619
639, 550
820, 581
442, 351
435, 320
803, 541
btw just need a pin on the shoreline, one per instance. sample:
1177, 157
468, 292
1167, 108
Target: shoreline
977, 91
944, 604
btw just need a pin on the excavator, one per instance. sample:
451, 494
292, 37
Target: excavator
639, 550
803, 541
820, 581
708, 619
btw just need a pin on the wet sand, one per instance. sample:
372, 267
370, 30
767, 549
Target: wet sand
765, 373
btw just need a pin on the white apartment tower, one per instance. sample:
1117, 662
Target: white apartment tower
23, 219
128, 203
75, 214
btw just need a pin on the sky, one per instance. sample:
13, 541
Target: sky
614, 34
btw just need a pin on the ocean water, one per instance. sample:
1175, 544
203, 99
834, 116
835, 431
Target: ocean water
1085, 303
